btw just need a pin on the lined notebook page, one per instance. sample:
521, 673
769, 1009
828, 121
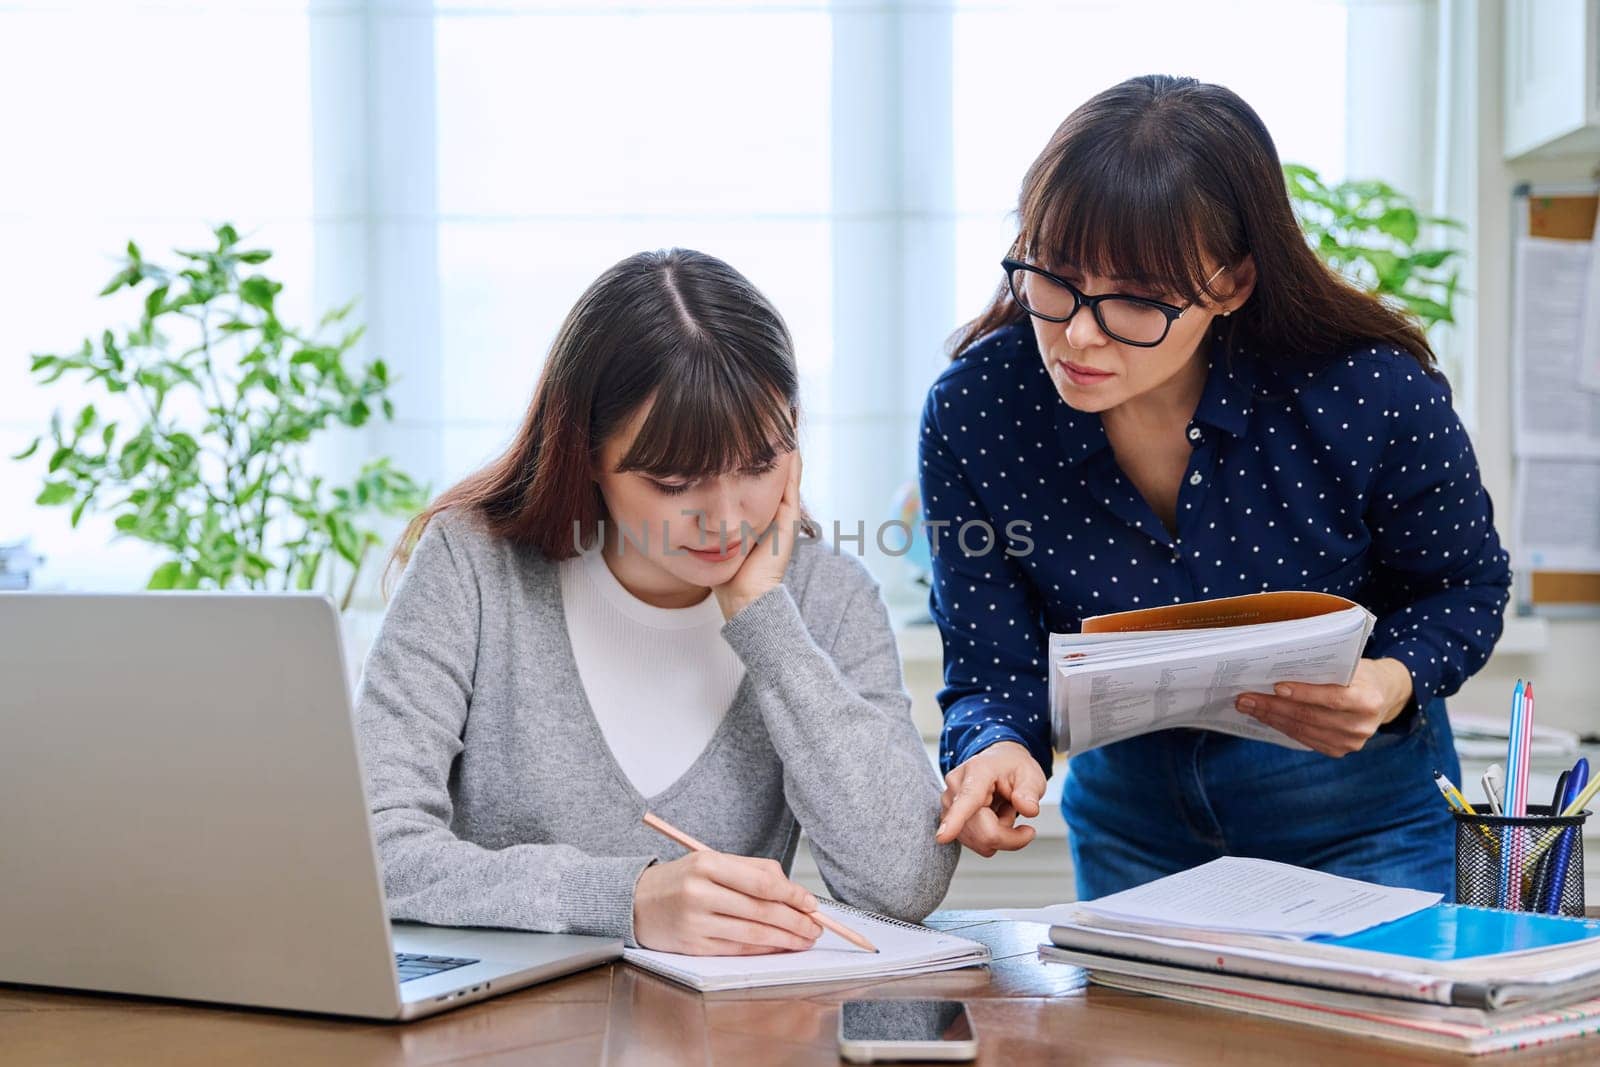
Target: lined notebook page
902, 949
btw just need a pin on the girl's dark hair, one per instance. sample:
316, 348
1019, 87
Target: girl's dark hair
678, 326
1147, 179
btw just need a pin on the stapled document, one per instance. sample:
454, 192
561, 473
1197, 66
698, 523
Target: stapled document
1138, 671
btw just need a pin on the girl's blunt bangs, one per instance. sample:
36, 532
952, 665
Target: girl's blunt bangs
1134, 220
675, 332
712, 416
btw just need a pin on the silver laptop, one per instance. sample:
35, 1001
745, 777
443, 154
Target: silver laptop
182, 814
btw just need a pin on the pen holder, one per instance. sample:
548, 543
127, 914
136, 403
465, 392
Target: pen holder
1529, 863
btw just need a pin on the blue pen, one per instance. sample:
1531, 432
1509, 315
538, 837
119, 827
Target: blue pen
1504, 896
1577, 778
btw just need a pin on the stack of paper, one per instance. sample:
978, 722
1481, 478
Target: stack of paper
1318, 949
1137, 671
1249, 896
1375, 1017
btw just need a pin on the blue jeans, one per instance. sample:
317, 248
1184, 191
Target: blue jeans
1154, 805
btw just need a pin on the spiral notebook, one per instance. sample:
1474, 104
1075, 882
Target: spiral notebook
903, 948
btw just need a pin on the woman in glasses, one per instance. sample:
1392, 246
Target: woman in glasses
1181, 402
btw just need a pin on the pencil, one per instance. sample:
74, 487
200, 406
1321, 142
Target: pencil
1457, 802
1452, 795
1583, 798
827, 922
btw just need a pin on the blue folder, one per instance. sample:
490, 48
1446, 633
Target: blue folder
1459, 932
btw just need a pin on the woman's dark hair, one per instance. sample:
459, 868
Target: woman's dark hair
678, 326
1146, 180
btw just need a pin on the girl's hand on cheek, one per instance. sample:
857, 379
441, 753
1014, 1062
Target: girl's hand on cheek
767, 559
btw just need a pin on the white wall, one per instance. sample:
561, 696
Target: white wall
1564, 669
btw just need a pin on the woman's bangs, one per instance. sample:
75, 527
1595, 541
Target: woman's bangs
708, 419
1133, 232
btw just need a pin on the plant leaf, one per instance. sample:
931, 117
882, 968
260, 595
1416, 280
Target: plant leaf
1430, 311
1399, 223
306, 573
166, 576
126, 276
258, 292
54, 493
1435, 258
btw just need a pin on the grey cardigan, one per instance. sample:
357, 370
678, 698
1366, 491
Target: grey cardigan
496, 801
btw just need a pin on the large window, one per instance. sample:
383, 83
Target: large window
132, 120
466, 168
1021, 68
568, 139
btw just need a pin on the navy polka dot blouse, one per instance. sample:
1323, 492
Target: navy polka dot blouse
1354, 477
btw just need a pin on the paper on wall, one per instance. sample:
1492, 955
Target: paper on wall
1558, 514
1589, 323
1553, 417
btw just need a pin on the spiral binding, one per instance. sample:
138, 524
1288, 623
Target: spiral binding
865, 914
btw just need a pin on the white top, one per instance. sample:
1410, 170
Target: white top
659, 679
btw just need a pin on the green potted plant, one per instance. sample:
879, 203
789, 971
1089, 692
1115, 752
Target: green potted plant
198, 440
1370, 232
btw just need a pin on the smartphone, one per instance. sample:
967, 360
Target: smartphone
877, 1031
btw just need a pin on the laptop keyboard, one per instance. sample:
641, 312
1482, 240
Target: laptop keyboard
413, 965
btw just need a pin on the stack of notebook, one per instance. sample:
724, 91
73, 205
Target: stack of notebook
1469, 980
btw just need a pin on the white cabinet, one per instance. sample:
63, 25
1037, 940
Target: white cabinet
1552, 77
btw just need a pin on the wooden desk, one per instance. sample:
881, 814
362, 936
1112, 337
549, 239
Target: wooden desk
1026, 1013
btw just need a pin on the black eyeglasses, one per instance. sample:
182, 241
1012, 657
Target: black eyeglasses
1133, 320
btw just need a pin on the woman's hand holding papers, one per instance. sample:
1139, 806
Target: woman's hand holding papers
983, 797
1335, 720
